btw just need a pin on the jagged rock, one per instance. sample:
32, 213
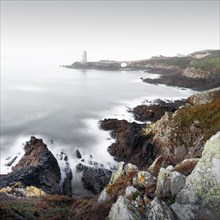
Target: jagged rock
177, 182
78, 154
38, 167
178, 136
155, 111
95, 179
202, 188
154, 168
122, 209
104, 196
130, 190
132, 145
158, 210
11, 161
130, 169
117, 174
186, 166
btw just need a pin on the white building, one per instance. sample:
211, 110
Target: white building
84, 57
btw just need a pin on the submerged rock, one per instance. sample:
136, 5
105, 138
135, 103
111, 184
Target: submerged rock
78, 154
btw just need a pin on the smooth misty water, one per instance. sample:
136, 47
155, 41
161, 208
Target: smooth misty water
64, 105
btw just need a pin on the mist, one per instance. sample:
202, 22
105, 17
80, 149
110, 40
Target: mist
58, 31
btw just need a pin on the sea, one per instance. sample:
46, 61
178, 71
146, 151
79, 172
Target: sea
63, 107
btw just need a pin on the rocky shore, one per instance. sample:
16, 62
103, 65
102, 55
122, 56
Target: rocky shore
189, 71
168, 163
168, 169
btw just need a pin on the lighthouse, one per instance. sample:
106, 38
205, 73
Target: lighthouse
84, 57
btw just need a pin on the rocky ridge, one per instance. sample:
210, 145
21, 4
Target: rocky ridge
38, 167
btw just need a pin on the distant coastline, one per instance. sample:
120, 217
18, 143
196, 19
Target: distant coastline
199, 70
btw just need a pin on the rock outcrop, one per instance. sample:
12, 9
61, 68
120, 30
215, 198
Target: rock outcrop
38, 167
95, 179
181, 135
155, 111
131, 144
200, 198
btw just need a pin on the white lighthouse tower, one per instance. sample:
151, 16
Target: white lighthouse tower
84, 57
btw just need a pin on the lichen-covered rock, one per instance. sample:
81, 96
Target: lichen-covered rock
177, 182
130, 190
169, 182
158, 210
118, 173
144, 179
130, 169
202, 188
163, 189
33, 191
104, 196
122, 209
18, 190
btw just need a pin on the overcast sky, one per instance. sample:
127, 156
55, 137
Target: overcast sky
123, 30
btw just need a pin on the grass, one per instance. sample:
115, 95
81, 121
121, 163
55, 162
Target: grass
206, 63
208, 116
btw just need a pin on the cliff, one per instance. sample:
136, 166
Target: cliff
168, 169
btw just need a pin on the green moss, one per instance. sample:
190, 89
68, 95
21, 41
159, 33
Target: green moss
135, 195
171, 200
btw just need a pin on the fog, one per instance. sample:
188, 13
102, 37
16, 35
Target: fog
58, 31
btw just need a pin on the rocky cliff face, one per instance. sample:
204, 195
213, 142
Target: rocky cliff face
182, 134
38, 167
131, 144
167, 194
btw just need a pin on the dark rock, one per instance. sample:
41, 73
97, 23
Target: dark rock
78, 154
131, 144
11, 162
155, 111
95, 179
38, 167
66, 185
79, 167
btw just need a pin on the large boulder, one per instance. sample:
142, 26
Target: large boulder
200, 198
169, 182
95, 179
38, 167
